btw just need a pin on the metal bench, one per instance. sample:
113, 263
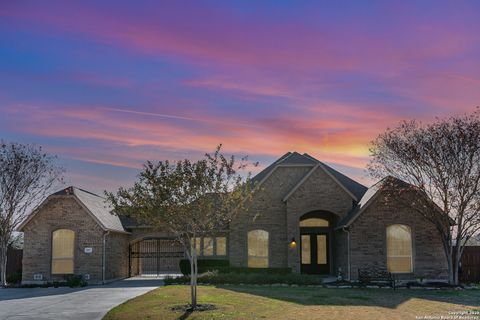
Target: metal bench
372, 275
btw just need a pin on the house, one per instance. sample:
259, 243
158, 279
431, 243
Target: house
303, 215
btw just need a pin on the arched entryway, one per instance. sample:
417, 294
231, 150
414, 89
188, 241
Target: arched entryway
152, 256
316, 242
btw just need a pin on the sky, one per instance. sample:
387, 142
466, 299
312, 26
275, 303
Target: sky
108, 85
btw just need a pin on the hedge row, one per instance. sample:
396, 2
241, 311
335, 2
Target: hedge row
223, 266
249, 278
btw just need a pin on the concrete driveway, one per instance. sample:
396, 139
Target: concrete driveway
91, 302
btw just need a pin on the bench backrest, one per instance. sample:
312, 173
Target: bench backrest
374, 274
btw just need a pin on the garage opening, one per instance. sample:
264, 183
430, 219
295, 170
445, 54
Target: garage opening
155, 256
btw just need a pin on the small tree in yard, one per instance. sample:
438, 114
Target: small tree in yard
190, 199
441, 161
27, 174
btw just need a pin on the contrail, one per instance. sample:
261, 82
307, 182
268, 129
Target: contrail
170, 116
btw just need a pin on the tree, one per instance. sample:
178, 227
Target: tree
27, 174
190, 199
441, 163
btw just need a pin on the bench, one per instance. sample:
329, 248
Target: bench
370, 275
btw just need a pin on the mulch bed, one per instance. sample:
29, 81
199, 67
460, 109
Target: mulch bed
199, 307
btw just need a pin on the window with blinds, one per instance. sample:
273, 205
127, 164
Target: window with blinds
63, 244
258, 249
208, 246
221, 248
399, 249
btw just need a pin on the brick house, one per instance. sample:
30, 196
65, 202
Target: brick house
304, 215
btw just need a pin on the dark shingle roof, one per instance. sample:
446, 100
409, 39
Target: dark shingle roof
262, 174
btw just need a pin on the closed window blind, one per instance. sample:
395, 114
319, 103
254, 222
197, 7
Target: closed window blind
258, 249
63, 241
399, 249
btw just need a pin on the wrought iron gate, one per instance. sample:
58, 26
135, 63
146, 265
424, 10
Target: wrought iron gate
154, 256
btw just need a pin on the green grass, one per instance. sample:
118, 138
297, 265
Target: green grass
265, 302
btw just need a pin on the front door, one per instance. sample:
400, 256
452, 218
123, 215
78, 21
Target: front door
314, 253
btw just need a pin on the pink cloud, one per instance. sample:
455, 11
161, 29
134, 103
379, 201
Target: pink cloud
338, 141
214, 36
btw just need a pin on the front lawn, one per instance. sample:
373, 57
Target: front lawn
266, 302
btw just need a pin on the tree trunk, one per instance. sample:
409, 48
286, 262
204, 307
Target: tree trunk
195, 272
3, 265
448, 250
193, 280
451, 279
456, 263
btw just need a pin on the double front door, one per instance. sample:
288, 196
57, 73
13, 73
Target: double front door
314, 253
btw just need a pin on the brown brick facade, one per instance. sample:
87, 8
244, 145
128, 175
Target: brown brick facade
368, 240
66, 213
286, 193
318, 192
268, 212
363, 246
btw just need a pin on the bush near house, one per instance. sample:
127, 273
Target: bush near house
250, 277
205, 265
223, 266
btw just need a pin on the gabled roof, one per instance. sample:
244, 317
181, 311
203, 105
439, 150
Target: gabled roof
353, 186
369, 197
97, 206
355, 189
265, 172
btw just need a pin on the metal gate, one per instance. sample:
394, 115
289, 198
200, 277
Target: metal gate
470, 271
154, 256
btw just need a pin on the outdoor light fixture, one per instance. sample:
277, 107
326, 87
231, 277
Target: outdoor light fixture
293, 243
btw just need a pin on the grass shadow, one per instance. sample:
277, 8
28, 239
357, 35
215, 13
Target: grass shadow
386, 298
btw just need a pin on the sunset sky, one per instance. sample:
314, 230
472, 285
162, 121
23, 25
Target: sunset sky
107, 85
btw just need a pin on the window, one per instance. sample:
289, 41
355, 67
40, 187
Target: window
314, 222
221, 246
63, 243
196, 243
208, 246
321, 249
399, 249
258, 249
306, 253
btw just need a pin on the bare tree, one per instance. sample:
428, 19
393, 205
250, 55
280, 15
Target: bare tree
27, 174
190, 199
441, 160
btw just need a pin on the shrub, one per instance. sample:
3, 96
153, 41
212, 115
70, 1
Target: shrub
216, 278
205, 265
259, 270
223, 266
75, 281
15, 277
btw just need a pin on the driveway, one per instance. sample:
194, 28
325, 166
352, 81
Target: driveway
91, 302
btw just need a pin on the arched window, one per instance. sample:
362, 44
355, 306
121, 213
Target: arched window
399, 248
258, 249
314, 222
63, 243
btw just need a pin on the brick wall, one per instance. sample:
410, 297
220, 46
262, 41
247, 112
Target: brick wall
266, 211
116, 256
368, 240
62, 212
318, 192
